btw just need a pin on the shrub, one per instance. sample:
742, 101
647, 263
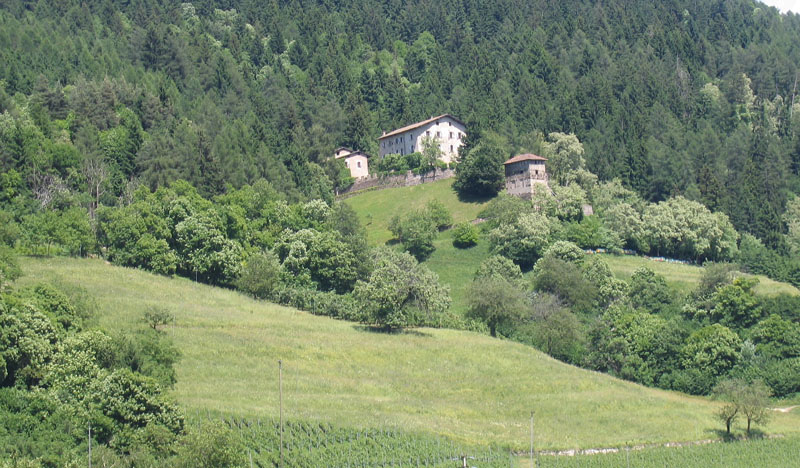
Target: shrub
439, 214
566, 281
523, 241
260, 275
329, 304
465, 235
400, 291
416, 232
566, 251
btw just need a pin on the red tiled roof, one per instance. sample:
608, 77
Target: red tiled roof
418, 124
525, 157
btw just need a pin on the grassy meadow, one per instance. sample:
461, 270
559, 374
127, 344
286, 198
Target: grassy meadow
377, 207
465, 386
684, 278
456, 267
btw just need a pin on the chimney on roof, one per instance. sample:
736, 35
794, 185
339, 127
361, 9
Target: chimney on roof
384, 133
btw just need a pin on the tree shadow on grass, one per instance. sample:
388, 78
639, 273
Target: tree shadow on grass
737, 436
724, 436
472, 198
390, 331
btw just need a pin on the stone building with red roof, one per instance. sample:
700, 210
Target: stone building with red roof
445, 129
523, 173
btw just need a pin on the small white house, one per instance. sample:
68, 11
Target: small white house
445, 129
356, 161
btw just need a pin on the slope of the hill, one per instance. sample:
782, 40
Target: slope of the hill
456, 267
377, 207
459, 384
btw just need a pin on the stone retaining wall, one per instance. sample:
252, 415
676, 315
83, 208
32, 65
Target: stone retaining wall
409, 179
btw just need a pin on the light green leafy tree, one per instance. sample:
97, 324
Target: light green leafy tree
687, 229
319, 257
204, 250
565, 250
747, 399
416, 231
624, 220
439, 214
523, 241
27, 340
610, 289
431, 153
260, 274
649, 291
554, 329
501, 267
495, 301
569, 201
777, 338
607, 194
792, 219
564, 153
400, 292
465, 235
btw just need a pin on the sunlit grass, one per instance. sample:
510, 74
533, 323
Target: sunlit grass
684, 278
467, 386
376, 208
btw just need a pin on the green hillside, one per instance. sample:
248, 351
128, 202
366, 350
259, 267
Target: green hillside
684, 278
458, 384
377, 207
456, 266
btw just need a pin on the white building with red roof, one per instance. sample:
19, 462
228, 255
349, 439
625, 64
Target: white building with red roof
523, 173
446, 130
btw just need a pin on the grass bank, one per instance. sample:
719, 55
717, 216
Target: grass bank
461, 385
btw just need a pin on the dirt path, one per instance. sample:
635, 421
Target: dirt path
597, 451
785, 410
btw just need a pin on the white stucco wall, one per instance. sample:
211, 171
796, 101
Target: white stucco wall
447, 131
358, 165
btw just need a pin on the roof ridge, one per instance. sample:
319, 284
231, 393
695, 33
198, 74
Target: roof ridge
525, 157
418, 124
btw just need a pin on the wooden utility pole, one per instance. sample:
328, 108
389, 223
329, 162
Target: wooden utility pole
280, 403
532, 462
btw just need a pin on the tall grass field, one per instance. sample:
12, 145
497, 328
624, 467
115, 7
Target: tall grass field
466, 387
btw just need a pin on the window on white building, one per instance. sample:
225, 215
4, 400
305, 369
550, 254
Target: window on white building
359, 163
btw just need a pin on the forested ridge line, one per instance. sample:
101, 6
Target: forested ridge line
674, 98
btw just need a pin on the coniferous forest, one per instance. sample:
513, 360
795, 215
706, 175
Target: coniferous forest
195, 138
